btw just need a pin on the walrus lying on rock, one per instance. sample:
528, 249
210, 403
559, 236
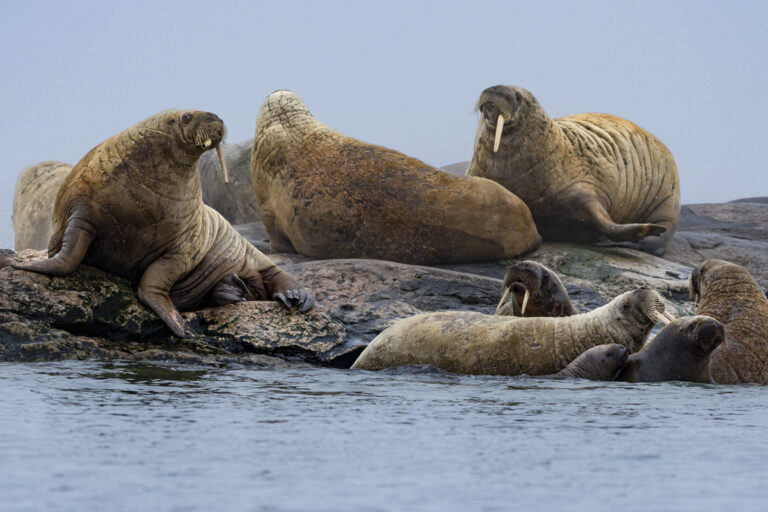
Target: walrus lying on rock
467, 342
680, 351
326, 195
33, 198
730, 295
584, 176
530, 289
133, 206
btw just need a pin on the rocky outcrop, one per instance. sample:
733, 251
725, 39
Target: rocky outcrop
95, 315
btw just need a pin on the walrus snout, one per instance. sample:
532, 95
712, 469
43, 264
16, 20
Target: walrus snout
646, 303
710, 333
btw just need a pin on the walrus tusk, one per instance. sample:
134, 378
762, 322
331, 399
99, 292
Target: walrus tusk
525, 302
669, 315
658, 317
503, 298
499, 127
696, 300
222, 162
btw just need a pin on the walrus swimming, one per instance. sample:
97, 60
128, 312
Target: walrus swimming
680, 351
730, 295
133, 206
533, 290
468, 342
584, 176
603, 362
33, 198
326, 195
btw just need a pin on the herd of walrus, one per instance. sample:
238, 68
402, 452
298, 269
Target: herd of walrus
134, 206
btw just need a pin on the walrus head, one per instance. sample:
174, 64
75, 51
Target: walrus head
283, 109
528, 280
200, 131
707, 272
697, 334
603, 362
502, 107
643, 305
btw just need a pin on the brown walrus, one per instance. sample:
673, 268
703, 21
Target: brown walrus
603, 362
468, 342
584, 176
681, 351
533, 290
33, 198
326, 195
730, 295
133, 206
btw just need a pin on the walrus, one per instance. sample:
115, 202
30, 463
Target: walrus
33, 198
474, 343
730, 295
533, 290
680, 351
603, 362
133, 206
234, 200
584, 177
326, 195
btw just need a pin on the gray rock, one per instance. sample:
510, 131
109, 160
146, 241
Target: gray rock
234, 200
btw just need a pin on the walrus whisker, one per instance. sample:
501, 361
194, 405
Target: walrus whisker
525, 302
222, 162
503, 298
499, 128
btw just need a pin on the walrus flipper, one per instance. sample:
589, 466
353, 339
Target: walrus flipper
77, 238
154, 289
282, 286
229, 290
604, 224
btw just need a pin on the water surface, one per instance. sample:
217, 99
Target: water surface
86, 436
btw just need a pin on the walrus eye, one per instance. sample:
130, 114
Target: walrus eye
186, 118
691, 327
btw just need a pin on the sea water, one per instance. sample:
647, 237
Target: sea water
84, 436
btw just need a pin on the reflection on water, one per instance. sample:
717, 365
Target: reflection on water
110, 436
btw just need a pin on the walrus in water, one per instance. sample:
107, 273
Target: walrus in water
730, 295
603, 362
326, 195
584, 177
474, 343
33, 198
531, 289
133, 206
681, 351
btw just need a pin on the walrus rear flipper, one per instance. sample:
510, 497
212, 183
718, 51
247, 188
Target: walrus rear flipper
77, 238
154, 291
605, 225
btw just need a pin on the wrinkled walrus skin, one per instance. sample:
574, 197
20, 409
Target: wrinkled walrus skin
133, 206
326, 195
584, 177
474, 343
33, 198
730, 295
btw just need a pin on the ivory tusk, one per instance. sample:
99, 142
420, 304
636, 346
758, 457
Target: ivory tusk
499, 128
525, 302
669, 315
503, 298
658, 317
222, 163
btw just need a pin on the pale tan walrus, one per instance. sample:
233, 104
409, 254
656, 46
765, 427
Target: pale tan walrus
584, 177
326, 195
133, 206
468, 342
33, 198
730, 295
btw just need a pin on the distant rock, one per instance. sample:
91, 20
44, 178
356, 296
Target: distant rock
459, 169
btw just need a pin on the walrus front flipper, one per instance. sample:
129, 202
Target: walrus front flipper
229, 290
154, 289
603, 223
74, 245
281, 286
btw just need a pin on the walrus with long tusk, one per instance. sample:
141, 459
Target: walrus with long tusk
133, 206
531, 289
474, 343
584, 177
326, 195
730, 295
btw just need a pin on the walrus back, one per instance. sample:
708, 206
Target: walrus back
33, 200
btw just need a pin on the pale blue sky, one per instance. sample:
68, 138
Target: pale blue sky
401, 74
